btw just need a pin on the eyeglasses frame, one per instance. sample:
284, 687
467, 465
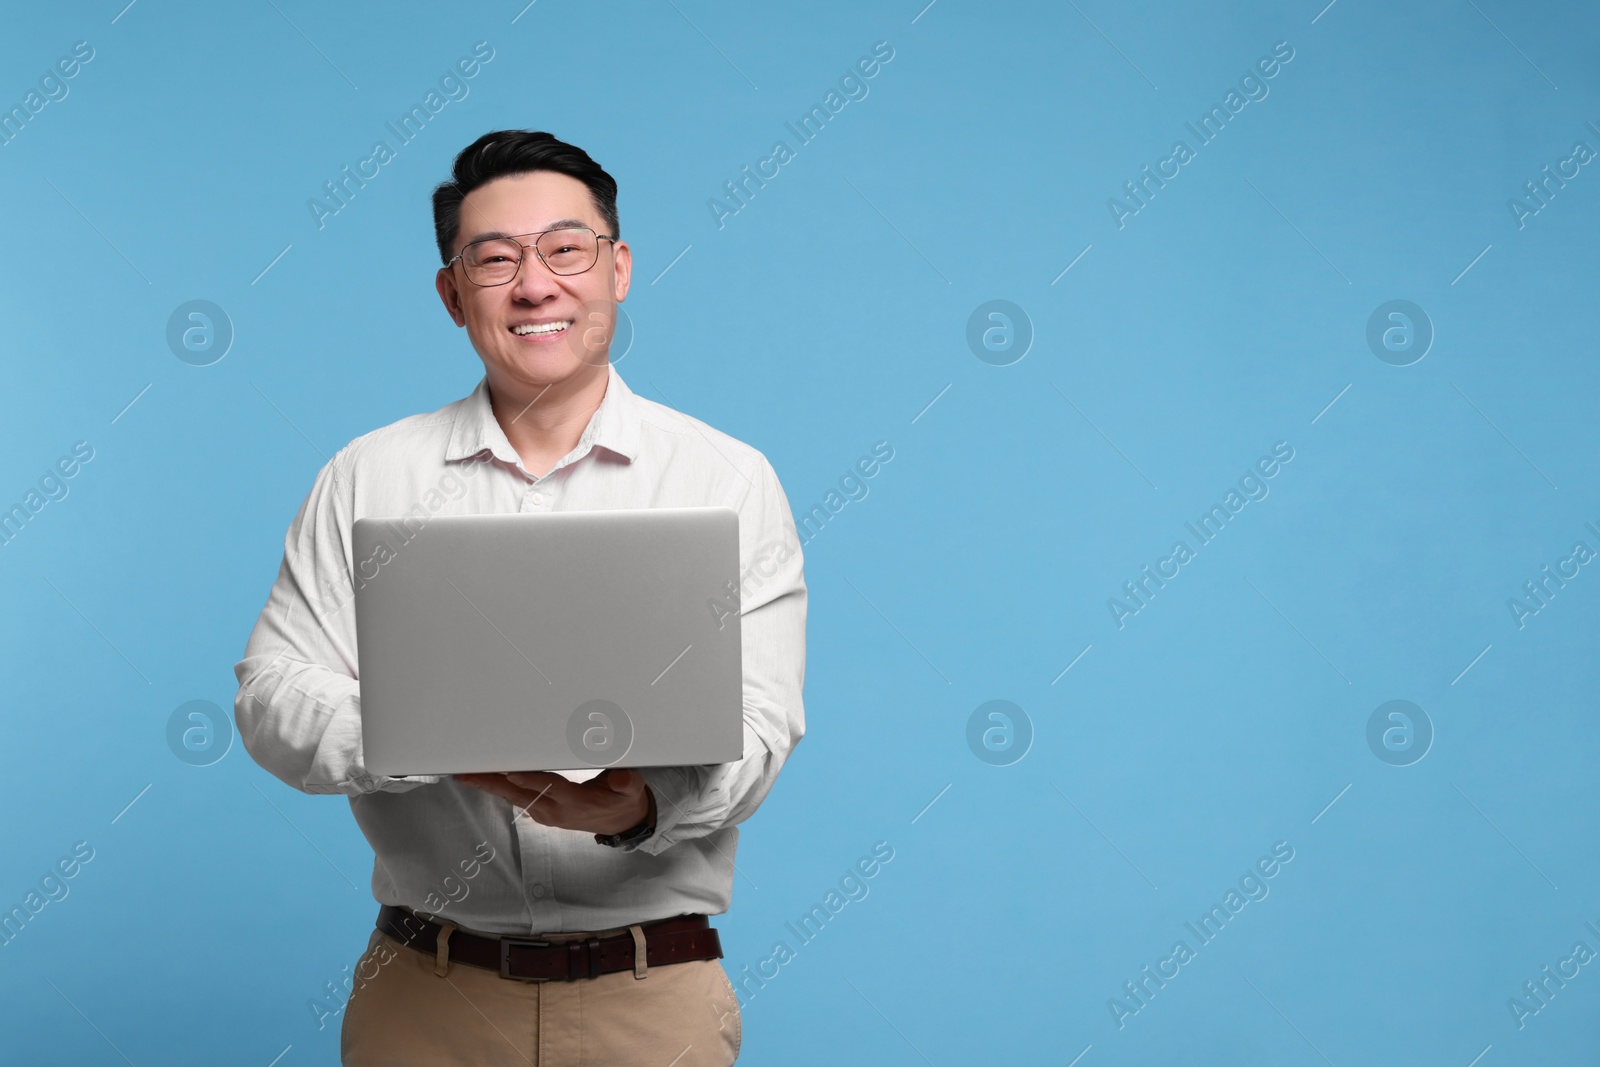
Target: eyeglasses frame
535, 246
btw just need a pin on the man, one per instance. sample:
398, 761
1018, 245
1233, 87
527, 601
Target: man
610, 877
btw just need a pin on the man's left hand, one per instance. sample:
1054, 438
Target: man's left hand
609, 803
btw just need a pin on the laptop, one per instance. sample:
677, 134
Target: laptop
573, 640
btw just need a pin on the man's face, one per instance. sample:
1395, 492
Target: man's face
524, 204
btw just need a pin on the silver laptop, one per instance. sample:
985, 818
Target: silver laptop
572, 640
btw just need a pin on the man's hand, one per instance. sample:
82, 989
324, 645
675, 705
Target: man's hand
609, 803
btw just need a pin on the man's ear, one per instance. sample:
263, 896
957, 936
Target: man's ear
622, 269
445, 282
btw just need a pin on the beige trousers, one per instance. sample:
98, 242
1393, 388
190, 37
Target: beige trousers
409, 1007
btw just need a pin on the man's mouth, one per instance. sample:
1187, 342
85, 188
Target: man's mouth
540, 328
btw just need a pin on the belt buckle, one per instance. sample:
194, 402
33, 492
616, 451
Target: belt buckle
507, 944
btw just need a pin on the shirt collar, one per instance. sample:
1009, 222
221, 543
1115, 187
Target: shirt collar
614, 425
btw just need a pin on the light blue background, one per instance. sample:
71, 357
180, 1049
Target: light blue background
823, 317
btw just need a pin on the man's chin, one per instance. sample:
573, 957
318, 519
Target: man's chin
547, 364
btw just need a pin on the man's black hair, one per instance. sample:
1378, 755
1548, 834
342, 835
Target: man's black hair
503, 152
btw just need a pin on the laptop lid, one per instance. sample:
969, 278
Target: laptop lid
571, 640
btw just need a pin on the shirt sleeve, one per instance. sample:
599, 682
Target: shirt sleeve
299, 702
693, 801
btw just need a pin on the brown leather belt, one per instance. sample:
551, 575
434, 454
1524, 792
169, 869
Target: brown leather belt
676, 940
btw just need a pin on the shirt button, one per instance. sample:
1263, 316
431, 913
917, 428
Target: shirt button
538, 498
538, 891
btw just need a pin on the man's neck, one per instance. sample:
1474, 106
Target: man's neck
543, 422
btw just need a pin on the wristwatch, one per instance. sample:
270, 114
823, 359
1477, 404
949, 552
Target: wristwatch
645, 828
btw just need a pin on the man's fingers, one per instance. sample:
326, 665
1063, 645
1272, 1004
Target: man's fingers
556, 789
501, 788
623, 781
555, 800
536, 779
521, 798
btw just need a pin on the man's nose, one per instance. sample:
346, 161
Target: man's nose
534, 280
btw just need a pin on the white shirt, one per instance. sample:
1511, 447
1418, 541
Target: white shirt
299, 701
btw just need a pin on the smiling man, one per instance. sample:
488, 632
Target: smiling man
532, 918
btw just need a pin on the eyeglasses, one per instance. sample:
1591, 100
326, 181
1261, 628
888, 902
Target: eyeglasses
496, 260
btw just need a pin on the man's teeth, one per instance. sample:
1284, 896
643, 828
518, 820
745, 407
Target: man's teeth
547, 327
